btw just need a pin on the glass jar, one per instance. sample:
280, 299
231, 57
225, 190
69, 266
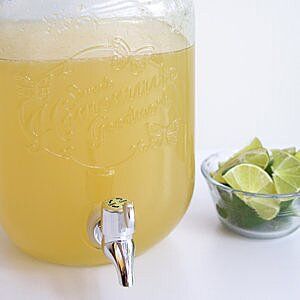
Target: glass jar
96, 102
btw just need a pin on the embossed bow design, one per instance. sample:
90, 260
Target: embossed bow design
124, 56
160, 134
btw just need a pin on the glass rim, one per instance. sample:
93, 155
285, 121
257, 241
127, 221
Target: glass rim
211, 180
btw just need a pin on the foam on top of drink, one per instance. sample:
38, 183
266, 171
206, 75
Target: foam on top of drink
86, 38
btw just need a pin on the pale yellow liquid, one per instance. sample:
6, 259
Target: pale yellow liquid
90, 112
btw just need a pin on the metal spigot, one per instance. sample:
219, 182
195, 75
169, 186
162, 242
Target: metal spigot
114, 234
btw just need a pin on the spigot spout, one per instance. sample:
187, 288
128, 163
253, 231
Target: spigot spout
121, 254
114, 234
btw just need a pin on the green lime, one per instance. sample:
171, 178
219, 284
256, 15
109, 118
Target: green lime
253, 153
258, 157
291, 150
286, 175
250, 178
253, 179
255, 144
278, 156
283, 187
267, 209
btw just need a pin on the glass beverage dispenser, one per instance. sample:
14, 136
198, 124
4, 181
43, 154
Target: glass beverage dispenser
96, 107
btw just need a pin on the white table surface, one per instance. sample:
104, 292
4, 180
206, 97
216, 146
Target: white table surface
199, 260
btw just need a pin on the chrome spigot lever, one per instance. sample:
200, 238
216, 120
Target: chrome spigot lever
121, 254
114, 234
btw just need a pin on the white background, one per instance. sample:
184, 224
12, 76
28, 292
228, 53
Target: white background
248, 72
248, 84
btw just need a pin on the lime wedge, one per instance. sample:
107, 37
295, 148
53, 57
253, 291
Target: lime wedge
267, 209
255, 144
297, 155
250, 178
258, 157
291, 150
278, 157
286, 175
253, 153
283, 187
253, 179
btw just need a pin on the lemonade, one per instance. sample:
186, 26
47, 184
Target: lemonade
90, 111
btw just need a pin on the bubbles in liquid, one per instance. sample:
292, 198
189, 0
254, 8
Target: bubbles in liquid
63, 38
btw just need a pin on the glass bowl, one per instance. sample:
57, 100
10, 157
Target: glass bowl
242, 219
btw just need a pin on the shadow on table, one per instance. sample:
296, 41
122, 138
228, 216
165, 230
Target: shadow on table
46, 281
56, 281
